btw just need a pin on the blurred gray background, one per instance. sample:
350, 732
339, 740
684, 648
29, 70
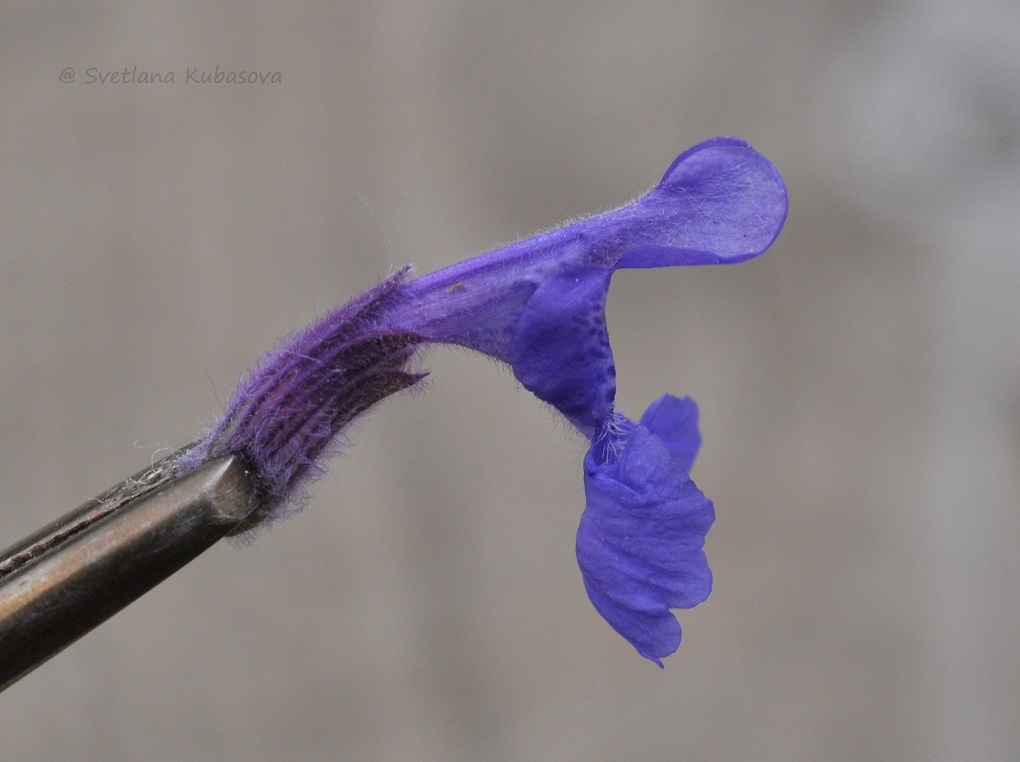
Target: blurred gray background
859, 384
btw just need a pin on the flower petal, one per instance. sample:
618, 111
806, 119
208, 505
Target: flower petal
560, 350
720, 202
640, 544
675, 421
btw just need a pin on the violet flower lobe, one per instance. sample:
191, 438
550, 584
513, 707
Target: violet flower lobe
538, 305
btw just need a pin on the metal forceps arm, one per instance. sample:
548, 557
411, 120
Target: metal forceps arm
76, 572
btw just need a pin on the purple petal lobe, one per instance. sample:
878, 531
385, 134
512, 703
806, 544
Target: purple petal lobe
675, 421
640, 544
560, 350
720, 202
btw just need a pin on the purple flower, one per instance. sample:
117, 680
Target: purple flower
539, 306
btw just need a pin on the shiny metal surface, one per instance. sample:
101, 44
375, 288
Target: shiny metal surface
64, 580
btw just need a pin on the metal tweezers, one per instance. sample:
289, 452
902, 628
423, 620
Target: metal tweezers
62, 581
